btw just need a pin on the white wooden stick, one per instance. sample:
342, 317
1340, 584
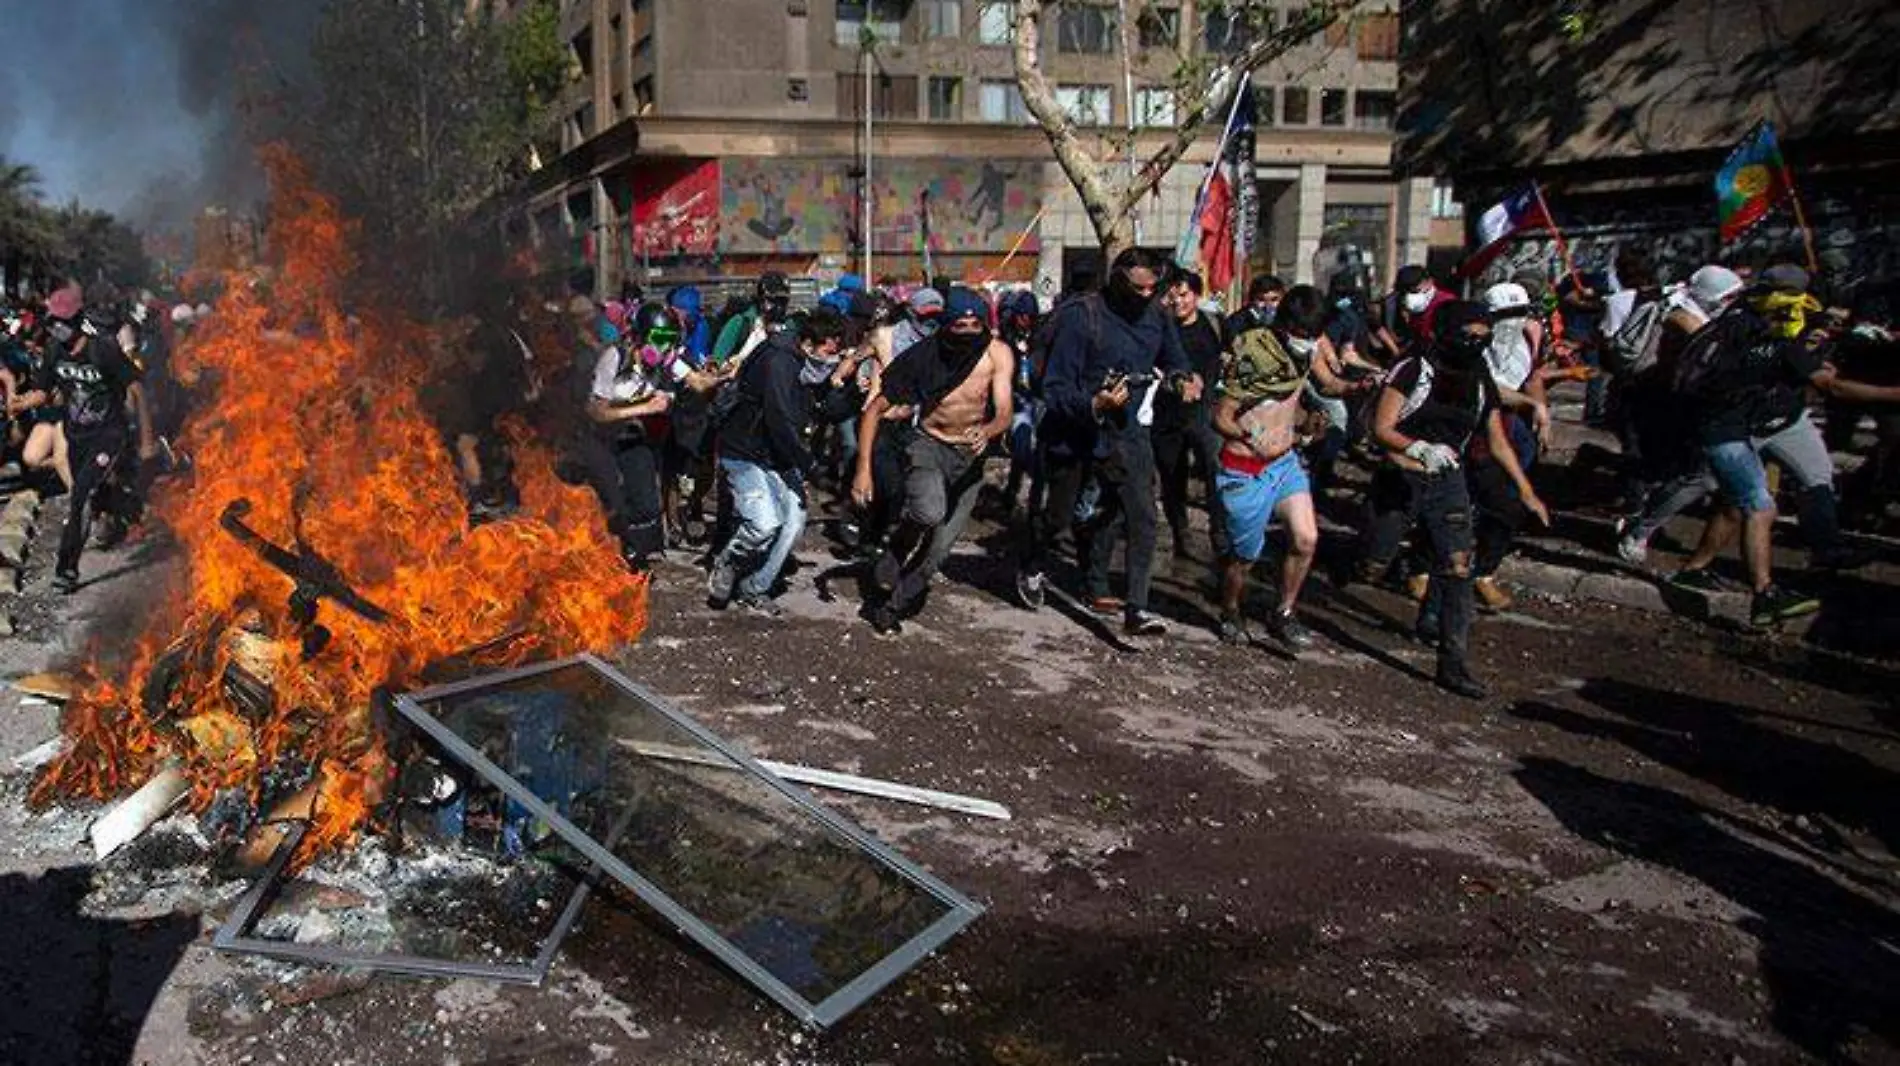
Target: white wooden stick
122, 824
40, 756
832, 779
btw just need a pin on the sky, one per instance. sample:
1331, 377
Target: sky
128, 104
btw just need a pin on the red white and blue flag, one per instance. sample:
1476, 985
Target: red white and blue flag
1520, 211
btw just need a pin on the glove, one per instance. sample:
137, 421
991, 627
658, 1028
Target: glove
1435, 458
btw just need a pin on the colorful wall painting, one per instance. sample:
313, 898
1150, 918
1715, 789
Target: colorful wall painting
675, 207
811, 206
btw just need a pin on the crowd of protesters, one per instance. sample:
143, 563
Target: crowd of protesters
1414, 417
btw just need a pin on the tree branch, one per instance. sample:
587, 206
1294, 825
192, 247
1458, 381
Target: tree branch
1225, 80
1084, 171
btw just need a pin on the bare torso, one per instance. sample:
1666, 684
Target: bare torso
960, 416
1271, 426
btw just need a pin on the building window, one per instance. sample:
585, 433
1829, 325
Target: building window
946, 99
1332, 107
891, 97
1263, 113
1231, 31
798, 89
943, 18
1002, 102
1160, 27
582, 44
1295, 107
996, 23
1086, 105
642, 95
883, 18
1374, 111
1084, 29
1445, 202
1379, 37
643, 49
1154, 107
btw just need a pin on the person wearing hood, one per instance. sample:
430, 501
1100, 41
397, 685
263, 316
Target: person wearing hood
1746, 378
1108, 354
690, 303
1413, 307
1435, 405
955, 388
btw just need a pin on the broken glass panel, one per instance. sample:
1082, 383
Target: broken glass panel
810, 908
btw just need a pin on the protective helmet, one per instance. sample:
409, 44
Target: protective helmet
1507, 298
657, 325
774, 295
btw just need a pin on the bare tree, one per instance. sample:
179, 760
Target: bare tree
1110, 179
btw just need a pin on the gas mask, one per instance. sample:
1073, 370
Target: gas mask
1786, 312
1419, 302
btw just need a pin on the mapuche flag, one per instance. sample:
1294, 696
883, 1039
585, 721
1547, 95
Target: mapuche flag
1751, 183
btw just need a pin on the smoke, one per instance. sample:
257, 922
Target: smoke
143, 108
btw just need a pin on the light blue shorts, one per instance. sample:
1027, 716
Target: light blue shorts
1249, 501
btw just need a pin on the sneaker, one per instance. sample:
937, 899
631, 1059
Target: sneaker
1029, 589
719, 582
1631, 550
1459, 682
884, 622
1776, 604
1142, 624
1700, 580
1288, 630
886, 572
1234, 631
1108, 606
1491, 595
760, 606
66, 582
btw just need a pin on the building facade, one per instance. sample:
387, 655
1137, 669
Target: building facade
724, 136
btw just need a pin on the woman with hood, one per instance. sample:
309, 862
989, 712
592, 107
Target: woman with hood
1434, 407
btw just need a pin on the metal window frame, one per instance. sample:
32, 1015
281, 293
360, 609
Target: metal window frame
234, 935
960, 911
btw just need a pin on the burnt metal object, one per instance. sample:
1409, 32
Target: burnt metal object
810, 909
315, 577
234, 935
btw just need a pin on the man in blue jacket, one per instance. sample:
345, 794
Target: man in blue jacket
1111, 353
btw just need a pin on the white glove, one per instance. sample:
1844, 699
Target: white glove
1435, 458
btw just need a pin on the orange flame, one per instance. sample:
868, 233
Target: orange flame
323, 430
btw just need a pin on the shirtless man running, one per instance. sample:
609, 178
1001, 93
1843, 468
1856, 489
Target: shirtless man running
955, 388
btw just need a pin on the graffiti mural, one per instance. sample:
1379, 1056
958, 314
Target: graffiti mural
781, 206
1856, 239
676, 208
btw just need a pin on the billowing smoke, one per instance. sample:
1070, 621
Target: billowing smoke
148, 109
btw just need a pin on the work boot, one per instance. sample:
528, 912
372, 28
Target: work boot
1455, 679
1139, 623
719, 582
1491, 594
1418, 586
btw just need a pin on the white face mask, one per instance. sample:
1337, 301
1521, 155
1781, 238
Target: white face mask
1418, 302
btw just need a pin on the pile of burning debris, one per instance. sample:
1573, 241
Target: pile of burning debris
332, 689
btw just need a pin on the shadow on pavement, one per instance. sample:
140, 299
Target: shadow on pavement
1830, 956
76, 989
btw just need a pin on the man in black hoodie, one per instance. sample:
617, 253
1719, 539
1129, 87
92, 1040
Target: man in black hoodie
792, 379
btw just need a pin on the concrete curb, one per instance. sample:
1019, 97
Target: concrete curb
1623, 590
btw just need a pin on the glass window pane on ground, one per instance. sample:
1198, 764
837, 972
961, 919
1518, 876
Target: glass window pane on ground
809, 908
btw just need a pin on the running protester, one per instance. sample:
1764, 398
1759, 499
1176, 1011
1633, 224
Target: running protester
1262, 476
90, 377
1432, 408
628, 405
1185, 443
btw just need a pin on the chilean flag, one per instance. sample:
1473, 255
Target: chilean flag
1520, 211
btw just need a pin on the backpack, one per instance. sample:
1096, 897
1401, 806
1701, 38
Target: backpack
1633, 349
1711, 355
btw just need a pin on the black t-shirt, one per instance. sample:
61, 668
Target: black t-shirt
1442, 408
92, 385
1203, 347
1763, 382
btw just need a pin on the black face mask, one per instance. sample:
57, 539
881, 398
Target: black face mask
1124, 299
957, 347
1464, 353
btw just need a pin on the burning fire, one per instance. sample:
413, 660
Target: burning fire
317, 422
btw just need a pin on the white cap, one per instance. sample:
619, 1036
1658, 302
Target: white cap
1711, 285
1507, 298
181, 314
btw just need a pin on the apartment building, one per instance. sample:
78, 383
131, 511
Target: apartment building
725, 136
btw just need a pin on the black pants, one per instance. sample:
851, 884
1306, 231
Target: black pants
1500, 514
1126, 477
1180, 455
1441, 505
625, 474
93, 456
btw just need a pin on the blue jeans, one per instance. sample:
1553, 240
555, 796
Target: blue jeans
771, 513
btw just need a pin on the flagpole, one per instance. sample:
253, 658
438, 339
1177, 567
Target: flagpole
1801, 218
1563, 246
1014, 248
